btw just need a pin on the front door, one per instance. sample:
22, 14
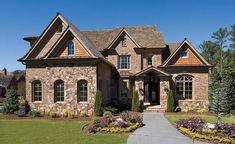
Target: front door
151, 92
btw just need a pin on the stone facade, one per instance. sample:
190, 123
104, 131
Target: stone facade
70, 76
96, 58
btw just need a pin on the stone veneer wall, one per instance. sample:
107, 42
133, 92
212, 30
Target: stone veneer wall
164, 87
200, 87
70, 76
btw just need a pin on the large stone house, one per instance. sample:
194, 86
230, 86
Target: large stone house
66, 66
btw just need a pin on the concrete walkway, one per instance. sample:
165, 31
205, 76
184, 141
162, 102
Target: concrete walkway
158, 130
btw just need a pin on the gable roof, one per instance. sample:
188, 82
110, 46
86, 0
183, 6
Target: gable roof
144, 36
82, 38
197, 54
152, 68
6, 80
119, 35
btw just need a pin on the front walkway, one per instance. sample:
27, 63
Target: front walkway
158, 130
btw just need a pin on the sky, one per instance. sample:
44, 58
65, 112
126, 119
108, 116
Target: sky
176, 19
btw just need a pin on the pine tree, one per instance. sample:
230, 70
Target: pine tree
10, 103
98, 111
229, 86
232, 34
135, 102
219, 99
170, 101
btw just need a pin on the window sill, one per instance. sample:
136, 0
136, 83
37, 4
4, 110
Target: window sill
38, 102
60, 102
85, 102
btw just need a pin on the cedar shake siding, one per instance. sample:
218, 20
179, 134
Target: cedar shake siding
118, 61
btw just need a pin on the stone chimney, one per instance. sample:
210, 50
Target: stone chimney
5, 71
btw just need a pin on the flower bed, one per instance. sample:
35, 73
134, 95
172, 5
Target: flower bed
196, 128
124, 123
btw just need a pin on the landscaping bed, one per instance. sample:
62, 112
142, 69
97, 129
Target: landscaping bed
125, 122
196, 128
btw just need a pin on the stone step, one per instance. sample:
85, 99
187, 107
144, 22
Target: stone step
155, 108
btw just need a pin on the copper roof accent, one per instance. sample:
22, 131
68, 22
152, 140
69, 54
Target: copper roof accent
152, 69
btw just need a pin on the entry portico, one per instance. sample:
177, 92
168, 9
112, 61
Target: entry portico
152, 85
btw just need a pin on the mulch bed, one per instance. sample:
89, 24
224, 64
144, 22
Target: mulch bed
15, 117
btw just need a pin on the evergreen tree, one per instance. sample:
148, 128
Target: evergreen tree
219, 99
229, 86
98, 111
135, 102
232, 34
221, 37
10, 103
170, 101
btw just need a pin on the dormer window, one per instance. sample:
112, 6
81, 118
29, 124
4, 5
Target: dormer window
70, 47
183, 54
150, 60
124, 42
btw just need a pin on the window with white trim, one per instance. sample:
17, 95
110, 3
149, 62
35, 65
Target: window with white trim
82, 91
37, 90
70, 46
59, 90
183, 54
184, 86
124, 62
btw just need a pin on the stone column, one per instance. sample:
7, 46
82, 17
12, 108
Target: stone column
164, 87
139, 87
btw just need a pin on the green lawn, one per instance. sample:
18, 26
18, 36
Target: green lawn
172, 118
52, 132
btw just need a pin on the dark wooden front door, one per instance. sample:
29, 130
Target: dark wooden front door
151, 92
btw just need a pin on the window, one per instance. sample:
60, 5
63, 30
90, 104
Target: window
124, 62
184, 86
70, 46
124, 42
149, 60
59, 90
82, 91
124, 89
183, 54
37, 90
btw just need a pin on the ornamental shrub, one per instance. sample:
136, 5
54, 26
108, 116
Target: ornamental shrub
135, 102
111, 109
170, 101
98, 104
83, 114
10, 103
107, 113
35, 113
194, 124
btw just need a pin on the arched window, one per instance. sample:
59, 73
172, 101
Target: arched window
70, 46
184, 86
82, 91
37, 90
59, 90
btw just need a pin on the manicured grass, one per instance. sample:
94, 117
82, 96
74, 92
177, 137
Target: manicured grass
172, 118
52, 132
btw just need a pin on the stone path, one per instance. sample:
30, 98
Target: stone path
158, 130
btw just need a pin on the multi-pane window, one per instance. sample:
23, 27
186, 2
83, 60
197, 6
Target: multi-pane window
184, 86
82, 91
124, 62
70, 46
59, 90
124, 42
37, 90
149, 60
